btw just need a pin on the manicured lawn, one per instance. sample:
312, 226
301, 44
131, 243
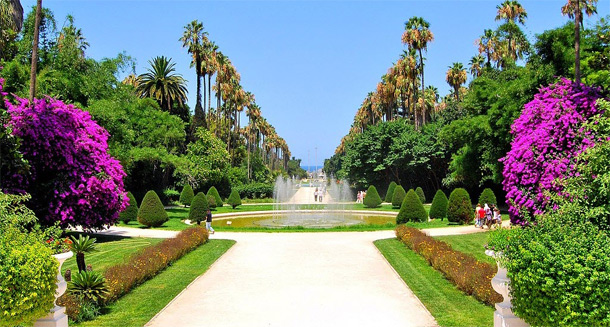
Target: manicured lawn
145, 301
473, 244
448, 305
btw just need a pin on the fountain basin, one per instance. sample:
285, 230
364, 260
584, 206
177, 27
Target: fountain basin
304, 218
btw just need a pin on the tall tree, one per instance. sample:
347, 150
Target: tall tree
456, 76
476, 65
35, 51
512, 12
487, 45
194, 38
11, 21
574, 8
162, 84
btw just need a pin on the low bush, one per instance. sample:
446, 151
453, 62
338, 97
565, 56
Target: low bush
170, 195
372, 199
152, 213
487, 196
131, 212
398, 197
199, 208
420, 193
187, 195
90, 286
469, 275
411, 209
217, 199
234, 199
389, 195
255, 191
459, 209
438, 209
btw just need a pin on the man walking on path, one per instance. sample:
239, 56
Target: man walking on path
208, 222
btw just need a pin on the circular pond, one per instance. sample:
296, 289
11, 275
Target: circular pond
307, 220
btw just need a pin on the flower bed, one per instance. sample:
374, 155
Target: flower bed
469, 275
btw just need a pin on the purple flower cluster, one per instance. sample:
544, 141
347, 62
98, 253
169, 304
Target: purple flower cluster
548, 137
72, 177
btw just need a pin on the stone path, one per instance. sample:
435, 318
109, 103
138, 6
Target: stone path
305, 195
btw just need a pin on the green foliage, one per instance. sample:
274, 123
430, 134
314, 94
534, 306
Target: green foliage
294, 168
487, 196
199, 208
372, 199
89, 286
234, 199
389, 195
459, 209
171, 195
411, 209
213, 192
206, 161
420, 193
80, 246
131, 212
438, 209
255, 191
211, 201
187, 195
152, 213
398, 196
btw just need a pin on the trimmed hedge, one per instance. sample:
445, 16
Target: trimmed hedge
411, 209
420, 193
459, 209
152, 213
211, 201
234, 199
372, 199
398, 197
464, 271
131, 212
199, 208
487, 196
438, 209
218, 200
255, 191
187, 195
389, 195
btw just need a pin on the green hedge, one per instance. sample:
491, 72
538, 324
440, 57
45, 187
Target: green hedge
420, 193
372, 199
438, 209
217, 199
459, 209
411, 209
152, 213
187, 195
255, 191
199, 208
131, 212
389, 195
234, 199
487, 196
398, 197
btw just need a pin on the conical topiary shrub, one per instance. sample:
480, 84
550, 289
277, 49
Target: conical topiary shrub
411, 209
399, 196
234, 199
211, 201
187, 195
459, 209
199, 208
389, 195
487, 196
213, 191
439, 206
372, 199
152, 213
420, 193
131, 212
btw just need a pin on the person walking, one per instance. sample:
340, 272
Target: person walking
321, 195
477, 220
315, 195
208, 222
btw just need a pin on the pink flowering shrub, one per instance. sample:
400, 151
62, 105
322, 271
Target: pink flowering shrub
72, 178
548, 136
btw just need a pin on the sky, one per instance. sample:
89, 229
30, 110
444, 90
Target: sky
310, 64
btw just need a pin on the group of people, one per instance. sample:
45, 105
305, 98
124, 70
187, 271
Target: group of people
360, 196
318, 194
487, 215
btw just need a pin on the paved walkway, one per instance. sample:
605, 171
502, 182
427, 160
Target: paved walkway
305, 195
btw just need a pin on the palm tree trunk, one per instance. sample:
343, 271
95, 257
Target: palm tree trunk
423, 105
35, 52
578, 18
197, 67
204, 96
209, 92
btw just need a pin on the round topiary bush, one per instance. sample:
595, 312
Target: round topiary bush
438, 209
152, 213
411, 209
459, 209
214, 192
389, 195
131, 212
234, 199
187, 195
211, 201
199, 208
399, 196
487, 196
372, 199
420, 193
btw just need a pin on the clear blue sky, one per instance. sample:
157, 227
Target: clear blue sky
309, 64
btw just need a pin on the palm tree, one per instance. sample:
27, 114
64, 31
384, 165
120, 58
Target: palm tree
132, 80
35, 51
417, 35
193, 38
476, 65
456, 76
162, 84
487, 44
574, 8
512, 12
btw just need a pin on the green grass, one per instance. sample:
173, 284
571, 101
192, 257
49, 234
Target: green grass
144, 302
473, 244
263, 200
448, 305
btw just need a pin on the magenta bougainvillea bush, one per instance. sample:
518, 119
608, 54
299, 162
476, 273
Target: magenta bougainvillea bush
548, 137
72, 178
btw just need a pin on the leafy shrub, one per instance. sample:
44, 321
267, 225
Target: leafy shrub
411, 209
420, 193
459, 209
152, 213
187, 195
438, 209
464, 271
234, 199
372, 199
199, 208
211, 201
217, 200
89, 286
487, 196
389, 195
131, 211
170, 195
255, 191
398, 197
